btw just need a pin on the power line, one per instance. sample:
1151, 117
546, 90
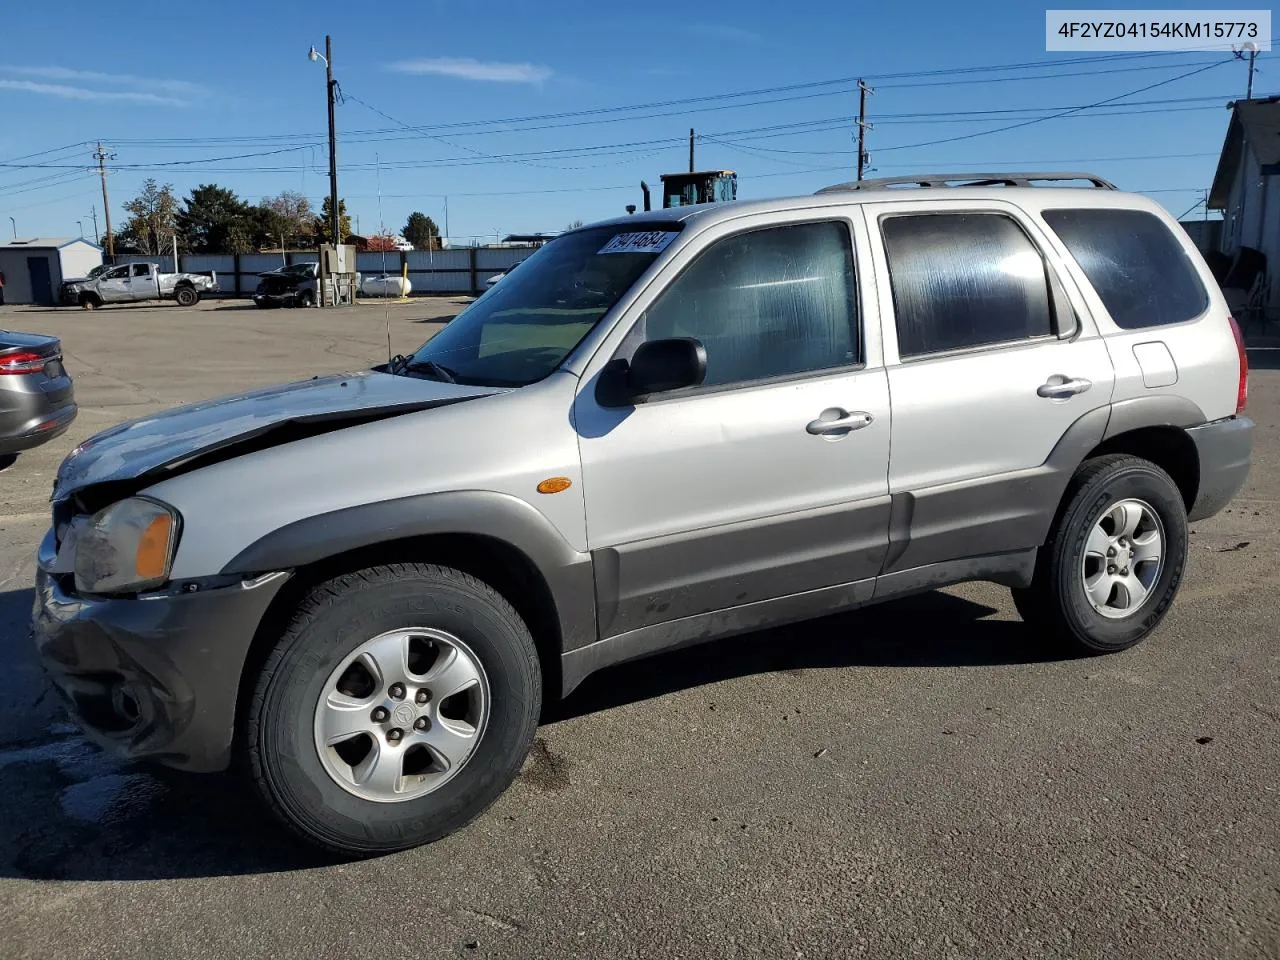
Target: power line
503, 125
727, 138
1054, 116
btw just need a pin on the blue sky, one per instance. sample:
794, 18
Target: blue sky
190, 87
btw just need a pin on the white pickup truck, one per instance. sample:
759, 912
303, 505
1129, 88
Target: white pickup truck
132, 282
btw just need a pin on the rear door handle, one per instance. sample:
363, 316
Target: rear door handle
1059, 387
836, 422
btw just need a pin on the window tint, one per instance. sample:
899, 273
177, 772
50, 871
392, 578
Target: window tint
964, 280
1138, 269
140, 270
766, 303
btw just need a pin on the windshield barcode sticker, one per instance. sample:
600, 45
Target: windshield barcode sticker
652, 241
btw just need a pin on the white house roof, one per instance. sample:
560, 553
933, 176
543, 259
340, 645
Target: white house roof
44, 243
1257, 123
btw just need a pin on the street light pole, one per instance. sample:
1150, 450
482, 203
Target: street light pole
335, 220
13, 223
80, 224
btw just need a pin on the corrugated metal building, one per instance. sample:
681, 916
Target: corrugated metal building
34, 269
1246, 188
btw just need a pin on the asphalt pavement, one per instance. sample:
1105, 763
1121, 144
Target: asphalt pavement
920, 779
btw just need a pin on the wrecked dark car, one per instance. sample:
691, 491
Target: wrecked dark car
293, 286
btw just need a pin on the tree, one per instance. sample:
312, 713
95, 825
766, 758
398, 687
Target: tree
422, 232
322, 221
153, 217
124, 240
286, 218
383, 242
215, 220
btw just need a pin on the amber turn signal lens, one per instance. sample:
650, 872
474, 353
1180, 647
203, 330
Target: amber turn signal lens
153, 548
554, 485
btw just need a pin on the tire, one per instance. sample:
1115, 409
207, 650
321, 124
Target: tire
186, 296
1103, 492
284, 733
89, 302
306, 299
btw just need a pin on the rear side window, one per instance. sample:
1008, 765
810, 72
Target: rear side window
1139, 270
963, 280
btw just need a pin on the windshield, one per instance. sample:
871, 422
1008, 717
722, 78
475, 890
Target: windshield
524, 326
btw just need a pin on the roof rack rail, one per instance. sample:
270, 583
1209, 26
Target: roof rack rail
968, 180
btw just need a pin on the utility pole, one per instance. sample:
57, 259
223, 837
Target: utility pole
691, 149
1252, 49
335, 221
93, 212
863, 126
102, 157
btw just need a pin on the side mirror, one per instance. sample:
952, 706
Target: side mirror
656, 367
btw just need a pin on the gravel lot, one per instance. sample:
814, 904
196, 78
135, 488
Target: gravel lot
918, 779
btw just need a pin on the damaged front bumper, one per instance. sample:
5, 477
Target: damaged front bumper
156, 677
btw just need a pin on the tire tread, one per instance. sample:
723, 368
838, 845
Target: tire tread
317, 601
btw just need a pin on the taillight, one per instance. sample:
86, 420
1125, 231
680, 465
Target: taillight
1242, 391
22, 362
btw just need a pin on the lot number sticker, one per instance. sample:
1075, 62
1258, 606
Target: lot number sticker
652, 241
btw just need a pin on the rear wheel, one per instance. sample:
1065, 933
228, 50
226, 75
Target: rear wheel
1115, 557
186, 296
398, 705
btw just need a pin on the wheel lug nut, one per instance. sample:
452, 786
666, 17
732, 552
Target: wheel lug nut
1111, 568
380, 714
1111, 551
397, 691
394, 735
422, 696
420, 723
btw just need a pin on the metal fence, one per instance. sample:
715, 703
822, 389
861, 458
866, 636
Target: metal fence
461, 270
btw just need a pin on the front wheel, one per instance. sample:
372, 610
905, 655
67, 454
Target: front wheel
306, 299
1114, 559
400, 703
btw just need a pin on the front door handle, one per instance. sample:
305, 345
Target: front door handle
836, 422
1059, 387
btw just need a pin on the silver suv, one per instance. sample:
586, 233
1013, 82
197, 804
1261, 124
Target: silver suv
659, 430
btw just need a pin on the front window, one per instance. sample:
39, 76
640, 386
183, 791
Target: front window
528, 322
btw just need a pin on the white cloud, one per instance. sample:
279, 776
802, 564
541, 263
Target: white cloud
465, 68
85, 93
88, 85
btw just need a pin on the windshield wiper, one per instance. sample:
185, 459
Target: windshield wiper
436, 371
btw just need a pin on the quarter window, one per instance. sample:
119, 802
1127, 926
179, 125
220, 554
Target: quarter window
964, 280
1140, 272
768, 303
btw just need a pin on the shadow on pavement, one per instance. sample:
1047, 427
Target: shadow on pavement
70, 812
930, 630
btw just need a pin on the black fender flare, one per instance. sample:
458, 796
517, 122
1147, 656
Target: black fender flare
567, 572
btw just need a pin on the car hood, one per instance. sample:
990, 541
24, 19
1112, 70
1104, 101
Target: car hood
190, 436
